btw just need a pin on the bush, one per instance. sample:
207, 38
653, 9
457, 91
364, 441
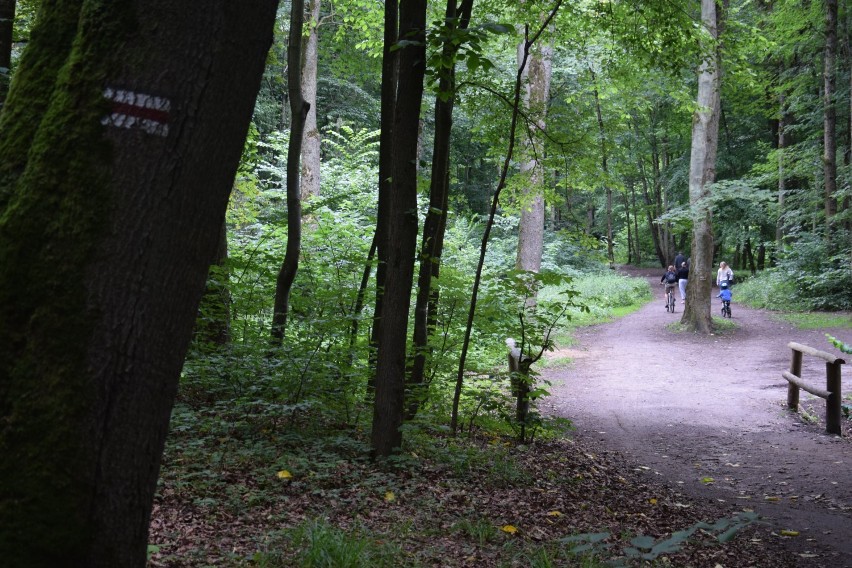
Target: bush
807, 278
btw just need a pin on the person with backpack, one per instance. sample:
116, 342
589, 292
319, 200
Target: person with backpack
682, 280
670, 279
724, 274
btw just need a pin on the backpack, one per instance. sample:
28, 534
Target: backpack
671, 277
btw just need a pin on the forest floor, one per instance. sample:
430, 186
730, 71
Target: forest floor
670, 430
706, 416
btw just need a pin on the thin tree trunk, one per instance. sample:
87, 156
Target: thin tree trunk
829, 156
298, 111
782, 181
436, 218
504, 170
605, 168
388, 93
389, 405
312, 139
702, 172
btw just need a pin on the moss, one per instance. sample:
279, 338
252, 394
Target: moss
55, 199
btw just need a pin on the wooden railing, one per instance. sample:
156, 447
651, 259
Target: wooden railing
832, 393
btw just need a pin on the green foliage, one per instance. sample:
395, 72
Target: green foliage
321, 545
645, 548
816, 320
807, 277
844, 347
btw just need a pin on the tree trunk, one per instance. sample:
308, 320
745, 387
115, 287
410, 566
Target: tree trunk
7, 24
536, 95
782, 181
311, 143
388, 408
604, 168
298, 111
436, 218
115, 168
504, 170
213, 327
390, 70
829, 156
702, 172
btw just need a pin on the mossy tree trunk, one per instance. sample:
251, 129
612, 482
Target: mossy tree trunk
118, 147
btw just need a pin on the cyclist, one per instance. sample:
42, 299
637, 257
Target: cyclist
670, 279
725, 294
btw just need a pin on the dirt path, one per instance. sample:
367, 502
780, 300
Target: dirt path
691, 408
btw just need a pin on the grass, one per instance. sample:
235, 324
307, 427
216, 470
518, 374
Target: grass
817, 320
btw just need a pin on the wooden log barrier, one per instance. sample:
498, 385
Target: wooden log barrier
832, 393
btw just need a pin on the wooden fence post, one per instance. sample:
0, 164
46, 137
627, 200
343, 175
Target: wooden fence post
832, 407
792, 389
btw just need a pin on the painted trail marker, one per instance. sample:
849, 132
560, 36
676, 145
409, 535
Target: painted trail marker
138, 110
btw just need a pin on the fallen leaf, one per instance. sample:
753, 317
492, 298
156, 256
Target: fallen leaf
390, 497
509, 529
789, 533
652, 501
284, 474
707, 480
554, 514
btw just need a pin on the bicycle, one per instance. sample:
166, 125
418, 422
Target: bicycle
670, 299
726, 308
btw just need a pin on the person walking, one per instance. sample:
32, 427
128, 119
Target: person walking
724, 274
682, 279
679, 259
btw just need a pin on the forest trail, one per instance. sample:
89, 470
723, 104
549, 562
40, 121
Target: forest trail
706, 415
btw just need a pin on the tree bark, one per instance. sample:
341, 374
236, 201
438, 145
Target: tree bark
390, 70
298, 111
536, 96
117, 155
436, 217
604, 168
829, 156
504, 170
782, 176
388, 408
702, 172
312, 139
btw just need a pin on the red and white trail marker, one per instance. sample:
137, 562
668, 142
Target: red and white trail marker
138, 110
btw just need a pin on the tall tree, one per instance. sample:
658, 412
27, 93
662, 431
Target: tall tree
312, 139
702, 172
456, 20
829, 145
118, 148
537, 76
298, 111
400, 239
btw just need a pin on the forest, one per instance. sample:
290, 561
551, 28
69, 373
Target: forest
262, 263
